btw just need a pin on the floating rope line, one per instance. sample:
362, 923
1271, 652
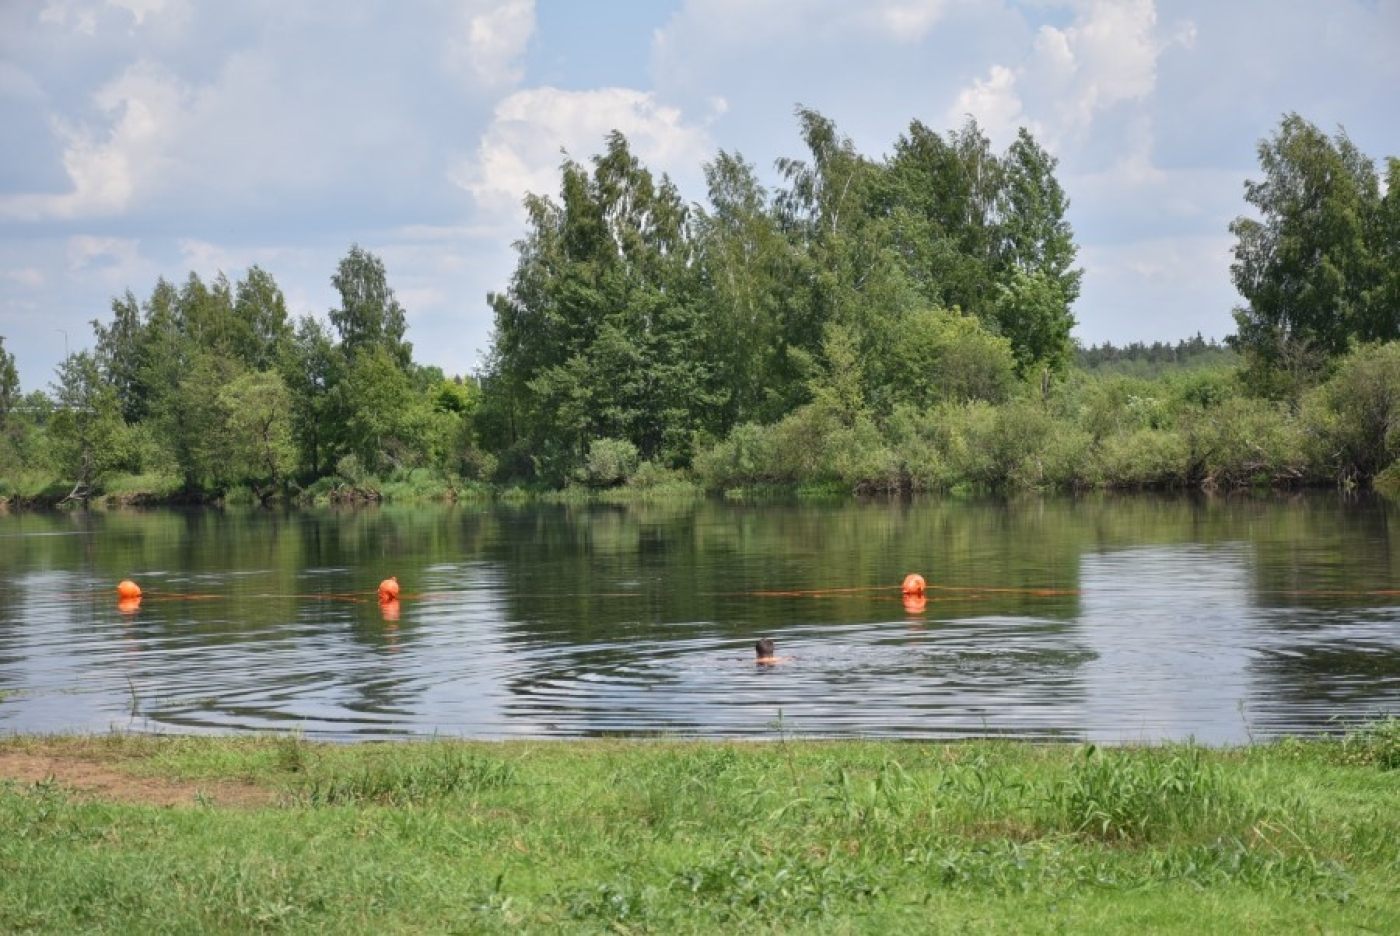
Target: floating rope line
128, 593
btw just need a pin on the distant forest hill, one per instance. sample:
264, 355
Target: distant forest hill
1139, 359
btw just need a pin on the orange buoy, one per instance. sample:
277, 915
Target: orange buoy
126, 588
913, 584
389, 589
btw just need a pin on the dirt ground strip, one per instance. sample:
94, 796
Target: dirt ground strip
101, 781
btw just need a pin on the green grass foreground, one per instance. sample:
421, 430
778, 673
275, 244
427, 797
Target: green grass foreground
279, 834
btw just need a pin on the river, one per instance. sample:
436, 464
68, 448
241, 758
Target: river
1106, 618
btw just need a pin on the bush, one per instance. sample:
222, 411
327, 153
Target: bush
741, 458
1355, 416
1144, 458
1001, 447
919, 441
1245, 442
799, 448
859, 458
1069, 461
610, 462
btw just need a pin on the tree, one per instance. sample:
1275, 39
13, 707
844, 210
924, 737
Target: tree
849, 271
185, 363
261, 327
385, 419
120, 352
258, 430
1032, 315
601, 333
950, 357
369, 315
988, 235
1356, 419
1383, 302
85, 430
745, 263
9, 384
205, 314
187, 414
1304, 267
944, 196
1038, 282
312, 367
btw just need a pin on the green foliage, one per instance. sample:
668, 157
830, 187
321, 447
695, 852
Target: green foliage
747, 263
794, 836
629, 317
261, 329
1116, 796
86, 431
9, 384
999, 447
1137, 359
187, 412
1374, 743
1250, 443
257, 418
869, 325
1145, 458
1354, 419
1033, 313
942, 356
387, 422
601, 334
1306, 267
609, 462
369, 317
446, 772
313, 368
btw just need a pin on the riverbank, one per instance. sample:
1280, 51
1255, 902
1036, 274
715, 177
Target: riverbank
128, 833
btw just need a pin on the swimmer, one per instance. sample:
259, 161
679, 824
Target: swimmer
763, 653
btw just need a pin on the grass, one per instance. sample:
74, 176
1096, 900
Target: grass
671, 837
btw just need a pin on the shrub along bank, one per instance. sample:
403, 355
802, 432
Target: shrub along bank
1195, 429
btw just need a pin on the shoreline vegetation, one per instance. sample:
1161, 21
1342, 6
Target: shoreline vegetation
1158, 419
151, 833
899, 324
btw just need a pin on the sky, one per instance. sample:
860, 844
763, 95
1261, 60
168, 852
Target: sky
142, 139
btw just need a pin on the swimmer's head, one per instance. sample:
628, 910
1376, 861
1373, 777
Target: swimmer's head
763, 650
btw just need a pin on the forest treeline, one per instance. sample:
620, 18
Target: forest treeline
901, 323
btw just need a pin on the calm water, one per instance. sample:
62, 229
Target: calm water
1112, 619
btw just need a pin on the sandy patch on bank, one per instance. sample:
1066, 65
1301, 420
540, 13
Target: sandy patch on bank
101, 781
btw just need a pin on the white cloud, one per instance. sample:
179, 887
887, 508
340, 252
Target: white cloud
140, 9
488, 40
520, 152
872, 67
994, 102
62, 13
1107, 56
205, 258
27, 277
107, 266
757, 22
108, 167
905, 21
85, 251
